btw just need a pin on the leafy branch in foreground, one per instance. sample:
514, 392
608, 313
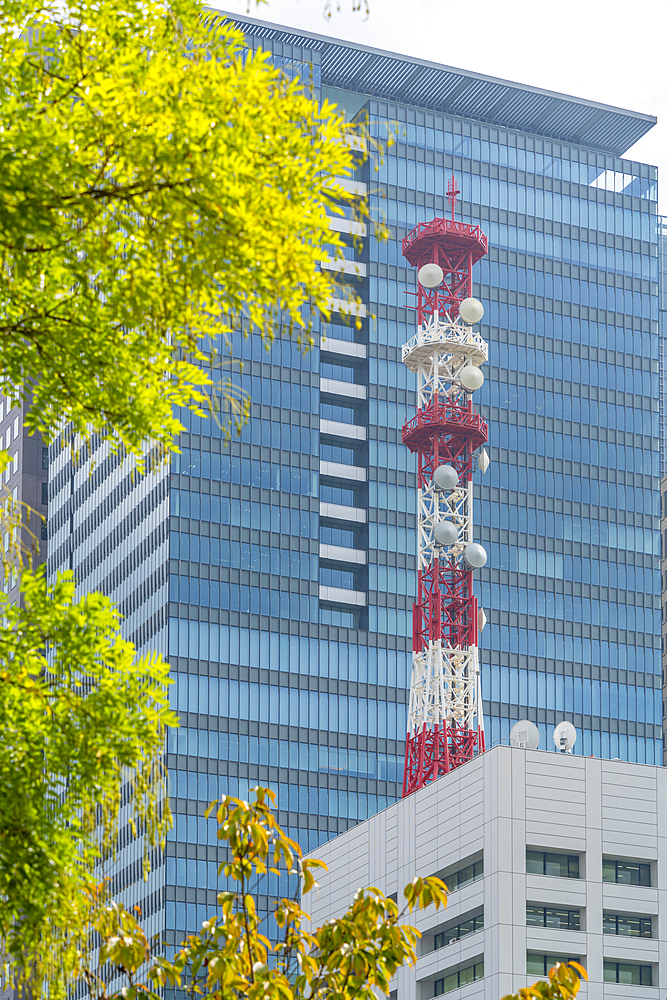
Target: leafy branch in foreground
79, 714
237, 954
350, 957
159, 185
564, 982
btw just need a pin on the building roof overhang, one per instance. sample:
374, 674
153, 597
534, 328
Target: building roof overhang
460, 92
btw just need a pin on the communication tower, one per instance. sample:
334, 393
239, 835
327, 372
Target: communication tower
445, 719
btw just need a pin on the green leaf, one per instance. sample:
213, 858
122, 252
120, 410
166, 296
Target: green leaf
107, 712
136, 223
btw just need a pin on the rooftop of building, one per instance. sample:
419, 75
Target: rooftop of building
515, 829
570, 786
447, 90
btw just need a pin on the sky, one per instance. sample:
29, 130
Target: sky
610, 51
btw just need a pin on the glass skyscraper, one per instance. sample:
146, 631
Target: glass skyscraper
278, 572
662, 291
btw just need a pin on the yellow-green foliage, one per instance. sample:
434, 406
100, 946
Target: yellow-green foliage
564, 982
72, 725
351, 957
157, 184
348, 957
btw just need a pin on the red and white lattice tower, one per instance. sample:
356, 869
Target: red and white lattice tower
445, 722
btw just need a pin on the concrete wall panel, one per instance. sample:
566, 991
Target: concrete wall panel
496, 806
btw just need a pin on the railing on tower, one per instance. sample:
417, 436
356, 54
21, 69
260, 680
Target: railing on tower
445, 724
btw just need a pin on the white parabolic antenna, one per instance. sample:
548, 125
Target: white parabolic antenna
430, 275
565, 736
525, 734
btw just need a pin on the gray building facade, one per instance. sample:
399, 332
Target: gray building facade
546, 856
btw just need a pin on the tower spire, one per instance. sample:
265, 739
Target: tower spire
452, 193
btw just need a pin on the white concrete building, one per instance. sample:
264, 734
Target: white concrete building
545, 855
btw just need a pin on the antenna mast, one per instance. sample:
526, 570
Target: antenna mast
444, 720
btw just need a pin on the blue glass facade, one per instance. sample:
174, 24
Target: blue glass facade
662, 266
581, 601
569, 508
278, 572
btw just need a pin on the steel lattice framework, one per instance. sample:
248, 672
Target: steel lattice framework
444, 722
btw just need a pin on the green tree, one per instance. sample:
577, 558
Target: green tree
160, 189
72, 728
351, 957
159, 185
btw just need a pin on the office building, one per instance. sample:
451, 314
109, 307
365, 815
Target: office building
662, 273
546, 857
278, 573
26, 478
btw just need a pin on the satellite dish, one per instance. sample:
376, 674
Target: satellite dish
471, 377
565, 736
471, 311
483, 460
445, 533
430, 275
525, 734
445, 477
474, 555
